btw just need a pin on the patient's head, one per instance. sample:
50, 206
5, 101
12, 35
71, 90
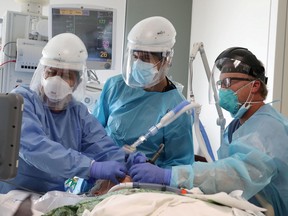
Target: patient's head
103, 186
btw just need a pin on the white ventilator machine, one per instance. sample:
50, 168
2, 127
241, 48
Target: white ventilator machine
187, 106
24, 34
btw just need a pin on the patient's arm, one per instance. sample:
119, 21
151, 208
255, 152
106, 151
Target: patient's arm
25, 208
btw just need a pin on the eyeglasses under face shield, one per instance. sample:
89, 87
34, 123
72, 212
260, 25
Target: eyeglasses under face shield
228, 65
227, 82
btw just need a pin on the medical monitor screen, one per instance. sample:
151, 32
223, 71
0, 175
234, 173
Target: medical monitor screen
94, 25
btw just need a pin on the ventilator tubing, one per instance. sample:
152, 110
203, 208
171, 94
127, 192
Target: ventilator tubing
165, 120
184, 106
200, 137
150, 186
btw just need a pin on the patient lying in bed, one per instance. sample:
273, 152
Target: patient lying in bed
103, 199
139, 201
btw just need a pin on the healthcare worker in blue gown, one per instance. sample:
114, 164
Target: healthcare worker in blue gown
254, 154
133, 102
60, 139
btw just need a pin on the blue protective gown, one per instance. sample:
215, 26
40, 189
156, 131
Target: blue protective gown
127, 113
58, 146
256, 161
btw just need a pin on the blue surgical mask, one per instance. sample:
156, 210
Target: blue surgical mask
144, 72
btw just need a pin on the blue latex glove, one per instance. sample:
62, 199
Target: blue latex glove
135, 158
109, 170
149, 173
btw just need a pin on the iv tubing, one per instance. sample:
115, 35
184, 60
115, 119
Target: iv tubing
150, 186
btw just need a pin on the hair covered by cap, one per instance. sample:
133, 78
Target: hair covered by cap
248, 63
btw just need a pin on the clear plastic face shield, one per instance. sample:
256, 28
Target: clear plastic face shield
57, 85
144, 69
226, 65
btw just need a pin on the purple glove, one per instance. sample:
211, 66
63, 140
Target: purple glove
149, 173
109, 170
135, 158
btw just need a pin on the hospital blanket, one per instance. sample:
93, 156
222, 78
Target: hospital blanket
150, 202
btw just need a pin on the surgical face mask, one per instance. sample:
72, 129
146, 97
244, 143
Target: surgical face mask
55, 88
228, 100
144, 72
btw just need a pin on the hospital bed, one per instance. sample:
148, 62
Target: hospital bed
126, 199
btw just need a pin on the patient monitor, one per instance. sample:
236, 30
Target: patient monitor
11, 109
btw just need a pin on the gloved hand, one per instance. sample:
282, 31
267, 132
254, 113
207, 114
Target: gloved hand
135, 158
109, 170
149, 173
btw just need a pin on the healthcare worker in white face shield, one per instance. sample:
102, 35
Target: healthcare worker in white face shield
254, 154
133, 102
60, 139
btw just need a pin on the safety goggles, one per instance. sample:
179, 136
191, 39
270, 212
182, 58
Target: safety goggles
227, 82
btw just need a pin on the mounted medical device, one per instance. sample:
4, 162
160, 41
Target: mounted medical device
94, 25
28, 54
24, 34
